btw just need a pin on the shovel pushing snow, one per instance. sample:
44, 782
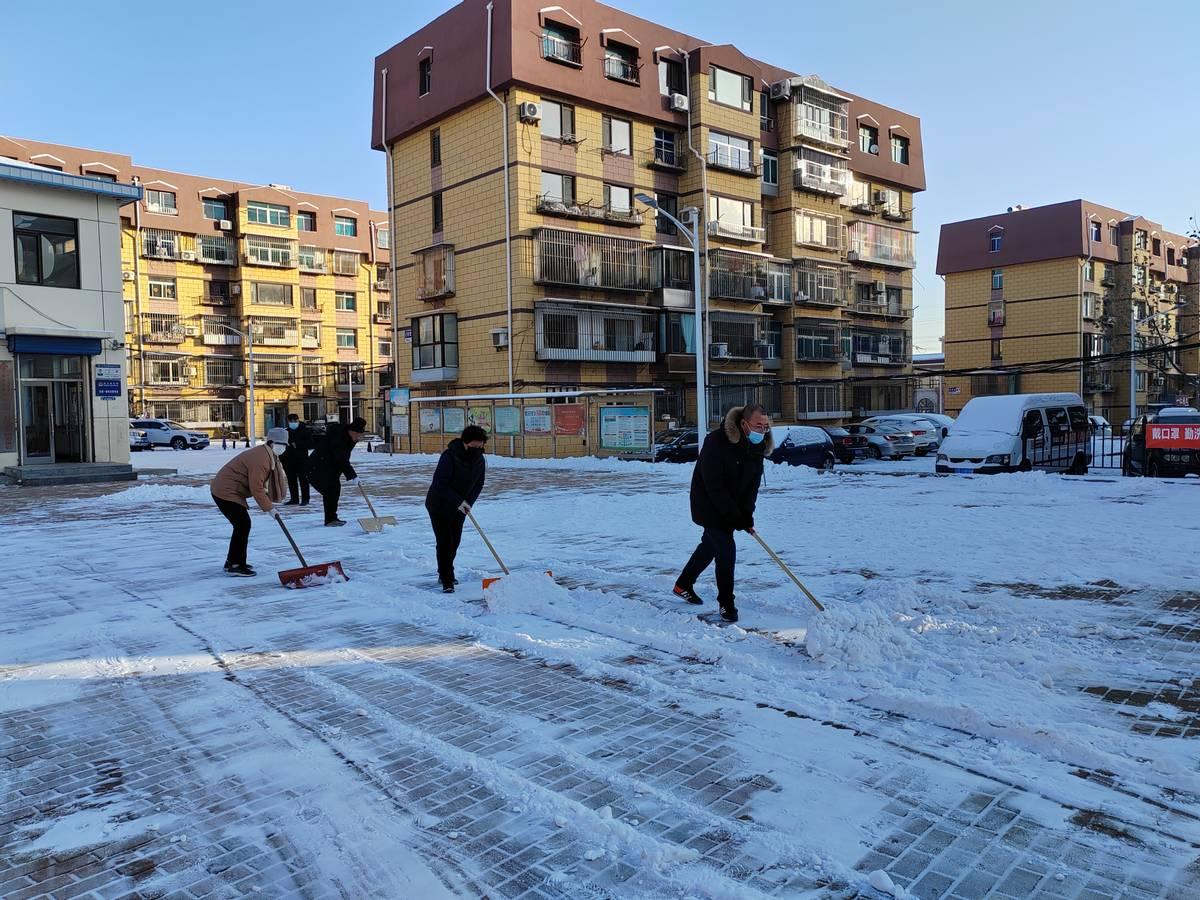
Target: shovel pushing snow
306, 575
376, 522
487, 582
783, 565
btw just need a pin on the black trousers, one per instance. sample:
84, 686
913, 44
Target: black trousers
716, 544
297, 479
239, 518
447, 530
331, 492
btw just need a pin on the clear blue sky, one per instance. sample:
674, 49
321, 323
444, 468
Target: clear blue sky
1021, 101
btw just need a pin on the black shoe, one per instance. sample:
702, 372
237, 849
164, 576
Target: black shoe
335, 523
304, 503
292, 503
729, 612
240, 570
687, 594
447, 587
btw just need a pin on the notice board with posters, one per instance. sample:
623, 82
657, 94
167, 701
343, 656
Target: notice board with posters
537, 420
1182, 436
569, 419
625, 429
508, 420
481, 416
431, 420
454, 420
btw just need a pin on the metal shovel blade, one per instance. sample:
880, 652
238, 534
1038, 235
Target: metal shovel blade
371, 526
313, 576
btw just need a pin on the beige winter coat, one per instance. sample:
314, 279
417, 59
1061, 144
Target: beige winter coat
253, 473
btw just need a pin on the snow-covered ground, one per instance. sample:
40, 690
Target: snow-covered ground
979, 639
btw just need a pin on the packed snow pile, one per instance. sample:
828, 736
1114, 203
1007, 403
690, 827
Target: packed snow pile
859, 634
522, 591
150, 494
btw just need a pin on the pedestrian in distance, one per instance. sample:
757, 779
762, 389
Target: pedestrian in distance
457, 484
330, 461
295, 460
723, 496
256, 473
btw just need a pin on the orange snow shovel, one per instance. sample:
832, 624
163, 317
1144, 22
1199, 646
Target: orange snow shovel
783, 565
306, 575
488, 582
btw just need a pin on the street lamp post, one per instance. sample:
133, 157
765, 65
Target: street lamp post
248, 337
692, 234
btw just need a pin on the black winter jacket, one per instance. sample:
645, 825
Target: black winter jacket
300, 441
458, 478
727, 475
331, 458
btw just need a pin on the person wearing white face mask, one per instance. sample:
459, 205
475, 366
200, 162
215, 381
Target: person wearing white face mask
256, 473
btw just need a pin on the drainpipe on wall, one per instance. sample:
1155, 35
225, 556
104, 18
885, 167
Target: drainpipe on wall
701, 227
507, 206
137, 299
391, 192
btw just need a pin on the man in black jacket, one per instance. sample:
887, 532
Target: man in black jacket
723, 495
457, 484
330, 461
295, 460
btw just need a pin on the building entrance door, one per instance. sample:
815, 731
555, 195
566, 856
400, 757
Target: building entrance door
36, 417
53, 410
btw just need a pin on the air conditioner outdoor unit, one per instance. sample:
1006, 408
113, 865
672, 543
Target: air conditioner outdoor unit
499, 338
191, 331
718, 351
781, 90
878, 287
187, 255
880, 196
529, 112
679, 102
235, 289
127, 276
225, 225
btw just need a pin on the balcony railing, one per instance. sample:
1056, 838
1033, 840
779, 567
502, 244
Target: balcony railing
268, 251
549, 205
163, 328
562, 50
666, 157
732, 159
818, 342
313, 259
274, 373
621, 70
590, 260
820, 285
213, 334
822, 179
310, 340
736, 231
216, 250
275, 332
733, 336
744, 276
435, 272
879, 348
595, 333
828, 131
160, 244
879, 244
894, 212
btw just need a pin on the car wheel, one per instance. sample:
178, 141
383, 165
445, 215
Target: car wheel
179, 443
1026, 466
921, 452
1153, 470
874, 453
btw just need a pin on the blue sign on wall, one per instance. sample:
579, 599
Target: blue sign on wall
108, 381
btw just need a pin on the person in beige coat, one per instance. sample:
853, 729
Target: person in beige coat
256, 473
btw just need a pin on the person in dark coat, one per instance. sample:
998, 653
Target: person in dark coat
331, 460
457, 484
723, 496
295, 460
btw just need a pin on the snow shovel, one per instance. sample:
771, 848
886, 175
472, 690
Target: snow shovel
488, 582
376, 522
306, 575
783, 565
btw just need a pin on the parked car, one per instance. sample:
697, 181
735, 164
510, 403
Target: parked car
1100, 426
1162, 462
944, 423
1019, 432
847, 447
165, 433
677, 446
802, 445
927, 434
139, 440
885, 441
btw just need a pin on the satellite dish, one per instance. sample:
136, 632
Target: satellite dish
241, 398
874, 148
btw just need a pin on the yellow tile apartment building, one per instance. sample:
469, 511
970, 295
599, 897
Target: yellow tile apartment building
1042, 299
215, 271
805, 196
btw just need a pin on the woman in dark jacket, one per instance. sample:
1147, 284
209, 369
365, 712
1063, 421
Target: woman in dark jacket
457, 484
331, 460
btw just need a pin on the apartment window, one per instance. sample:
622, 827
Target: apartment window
161, 202
770, 168
558, 188
435, 148
312, 258
268, 214
558, 120
345, 262
667, 203
900, 149
347, 338
271, 294
670, 78
561, 44
162, 289
618, 136
215, 209
47, 250
997, 279
381, 274
1139, 276
1090, 305
868, 139
818, 229
216, 248
730, 89
101, 176
1139, 240
1170, 256
310, 335
306, 221
345, 301
1089, 270
424, 76
167, 371
270, 251
997, 350
308, 298
435, 341
216, 292
1094, 231
995, 241
438, 222
385, 348
1114, 235
765, 122
345, 226
621, 62
383, 238
729, 152
731, 213
618, 198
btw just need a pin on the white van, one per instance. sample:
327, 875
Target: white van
1019, 432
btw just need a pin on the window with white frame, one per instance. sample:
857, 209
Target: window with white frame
346, 301
270, 294
557, 188
818, 229
617, 135
1114, 235
558, 120
385, 348
383, 238
162, 288
310, 335
345, 262
730, 212
900, 149
306, 220
347, 338
345, 226
618, 198
730, 88
729, 152
216, 248
162, 202
270, 251
167, 371
261, 213
770, 168
995, 241
1089, 270
997, 279
1094, 231
216, 209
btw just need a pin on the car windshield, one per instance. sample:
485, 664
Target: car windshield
176, 426
663, 436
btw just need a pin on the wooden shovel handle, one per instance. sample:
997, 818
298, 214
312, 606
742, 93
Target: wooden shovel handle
362, 490
291, 540
499, 561
783, 565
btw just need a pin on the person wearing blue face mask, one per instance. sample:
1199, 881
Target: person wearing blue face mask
723, 496
295, 460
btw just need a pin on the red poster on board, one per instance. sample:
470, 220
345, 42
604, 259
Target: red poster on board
568, 419
1176, 436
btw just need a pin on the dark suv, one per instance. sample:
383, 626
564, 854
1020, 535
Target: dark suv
1161, 462
847, 447
678, 446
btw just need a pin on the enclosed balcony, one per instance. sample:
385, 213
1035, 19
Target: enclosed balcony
732, 230
595, 332
820, 285
584, 260
281, 371
882, 245
215, 331
259, 250
749, 276
818, 341
313, 259
879, 348
350, 377
434, 267
821, 115
160, 244
216, 249
821, 174
162, 328
735, 336
346, 262
275, 332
